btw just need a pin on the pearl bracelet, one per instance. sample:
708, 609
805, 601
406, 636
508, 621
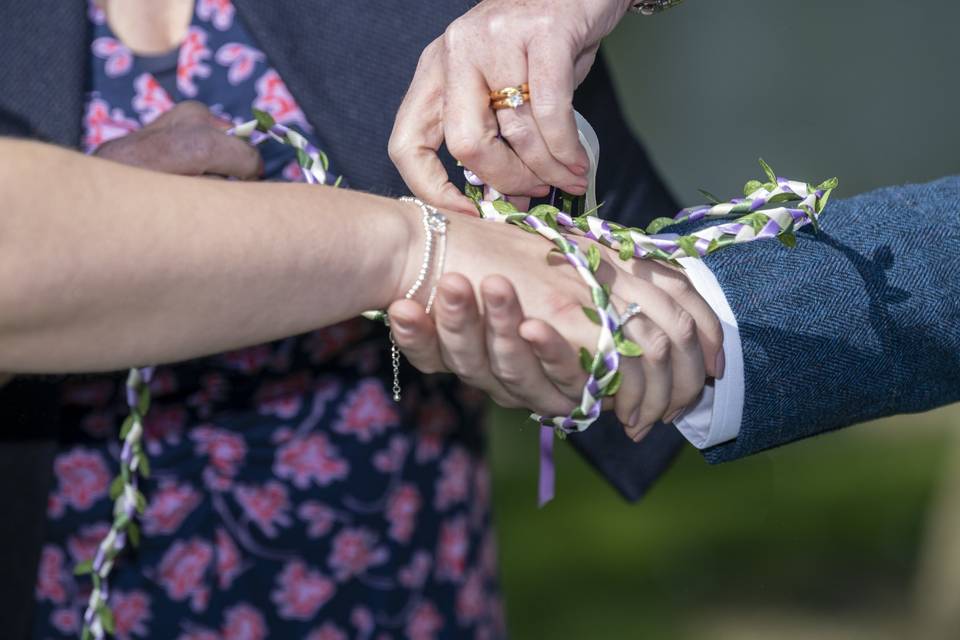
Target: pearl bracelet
434, 224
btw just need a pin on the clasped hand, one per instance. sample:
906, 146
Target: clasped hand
510, 323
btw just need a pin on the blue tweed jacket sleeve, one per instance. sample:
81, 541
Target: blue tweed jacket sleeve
858, 321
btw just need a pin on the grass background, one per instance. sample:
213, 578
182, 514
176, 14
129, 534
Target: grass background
825, 538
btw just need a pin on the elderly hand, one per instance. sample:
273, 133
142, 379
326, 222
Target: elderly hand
187, 140
548, 44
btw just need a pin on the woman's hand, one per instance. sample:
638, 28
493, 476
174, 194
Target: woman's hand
549, 44
188, 140
516, 336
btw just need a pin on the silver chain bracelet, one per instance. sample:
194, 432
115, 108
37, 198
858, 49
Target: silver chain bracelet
650, 7
434, 224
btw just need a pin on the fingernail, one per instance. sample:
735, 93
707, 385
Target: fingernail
673, 416
453, 301
399, 325
579, 169
577, 187
721, 363
641, 433
634, 418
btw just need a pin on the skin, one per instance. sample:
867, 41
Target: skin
551, 45
481, 332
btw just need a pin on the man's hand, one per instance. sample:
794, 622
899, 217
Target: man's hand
187, 140
549, 44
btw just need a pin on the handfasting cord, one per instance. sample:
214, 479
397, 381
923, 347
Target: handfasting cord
759, 219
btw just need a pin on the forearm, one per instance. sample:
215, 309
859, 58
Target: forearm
104, 266
857, 322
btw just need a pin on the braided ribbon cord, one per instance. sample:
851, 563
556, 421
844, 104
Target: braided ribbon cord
554, 223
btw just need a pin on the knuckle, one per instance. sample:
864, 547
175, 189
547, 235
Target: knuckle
686, 327
658, 348
464, 147
514, 129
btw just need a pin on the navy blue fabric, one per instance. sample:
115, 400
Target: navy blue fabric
857, 322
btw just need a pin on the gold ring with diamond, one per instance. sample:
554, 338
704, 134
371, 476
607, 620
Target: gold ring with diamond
510, 98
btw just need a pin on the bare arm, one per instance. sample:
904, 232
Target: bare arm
104, 266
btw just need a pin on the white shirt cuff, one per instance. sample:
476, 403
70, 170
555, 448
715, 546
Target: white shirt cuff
717, 414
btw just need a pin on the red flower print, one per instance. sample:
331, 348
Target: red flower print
118, 56
213, 387
249, 360
415, 574
219, 12
243, 622
353, 551
168, 507
83, 476
435, 420
292, 172
301, 592
471, 599
424, 622
163, 425
131, 611
95, 14
183, 569
55, 505
151, 100
402, 508
366, 412
102, 124
453, 486
324, 344
226, 450
164, 382
452, 550
312, 458
228, 559
362, 619
83, 546
328, 631
318, 516
191, 63
283, 398
391, 459
268, 506
87, 393
274, 98
66, 621
98, 424
241, 59
51, 578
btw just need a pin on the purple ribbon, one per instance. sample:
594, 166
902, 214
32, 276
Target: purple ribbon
546, 486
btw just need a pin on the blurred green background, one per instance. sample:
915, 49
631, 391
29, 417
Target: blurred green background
847, 536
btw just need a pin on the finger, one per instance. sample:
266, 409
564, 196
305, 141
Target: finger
519, 129
416, 336
552, 82
461, 334
657, 374
686, 357
471, 129
512, 360
417, 136
559, 360
210, 151
677, 284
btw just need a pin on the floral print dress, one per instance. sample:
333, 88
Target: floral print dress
290, 496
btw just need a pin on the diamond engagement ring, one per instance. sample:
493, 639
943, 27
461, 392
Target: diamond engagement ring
633, 309
510, 97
